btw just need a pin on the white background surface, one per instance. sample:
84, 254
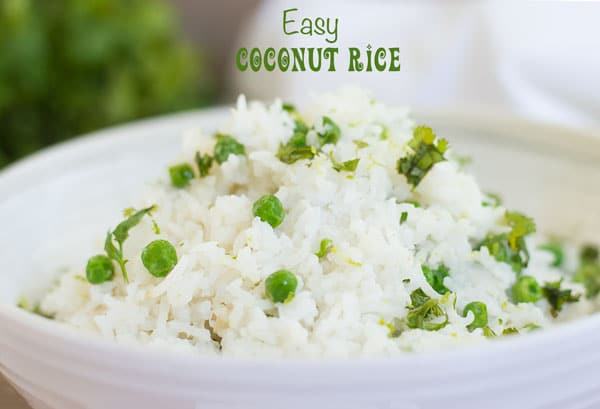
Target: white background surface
535, 59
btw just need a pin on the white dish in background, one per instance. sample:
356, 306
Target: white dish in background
53, 204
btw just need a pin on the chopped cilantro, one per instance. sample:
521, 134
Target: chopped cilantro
413, 202
488, 332
521, 226
403, 217
498, 248
492, 200
360, 144
128, 212
227, 145
385, 133
353, 262
425, 312
37, 310
435, 278
347, 166
425, 153
510, 247
290, 154
510, 331
464, 161
331, 133
532, 326
298, 140
24, 305
324, 247
155, 227
286, 106
555, 248
296, 148
390, 327
588, 272
557, 297
120, 234
300, 128
589, 254
204, 163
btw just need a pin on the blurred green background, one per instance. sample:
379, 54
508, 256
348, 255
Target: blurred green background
70, 66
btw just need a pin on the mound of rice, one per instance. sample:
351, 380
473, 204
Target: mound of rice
351, 302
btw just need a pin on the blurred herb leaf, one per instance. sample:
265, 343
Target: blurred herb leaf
68, 67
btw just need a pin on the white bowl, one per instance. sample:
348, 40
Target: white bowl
54, 204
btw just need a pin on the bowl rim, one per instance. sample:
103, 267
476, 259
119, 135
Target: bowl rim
66, 340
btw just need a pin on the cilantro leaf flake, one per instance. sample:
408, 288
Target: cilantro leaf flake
425, 313
435, 278
557, 297
424, 154
510, 247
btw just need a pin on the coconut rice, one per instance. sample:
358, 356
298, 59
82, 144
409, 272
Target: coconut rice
353, 300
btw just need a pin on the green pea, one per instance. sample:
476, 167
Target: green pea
281, 286
479, 311
269, 209
99, 269
526, 289
181, 175
159, 258
225, 146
